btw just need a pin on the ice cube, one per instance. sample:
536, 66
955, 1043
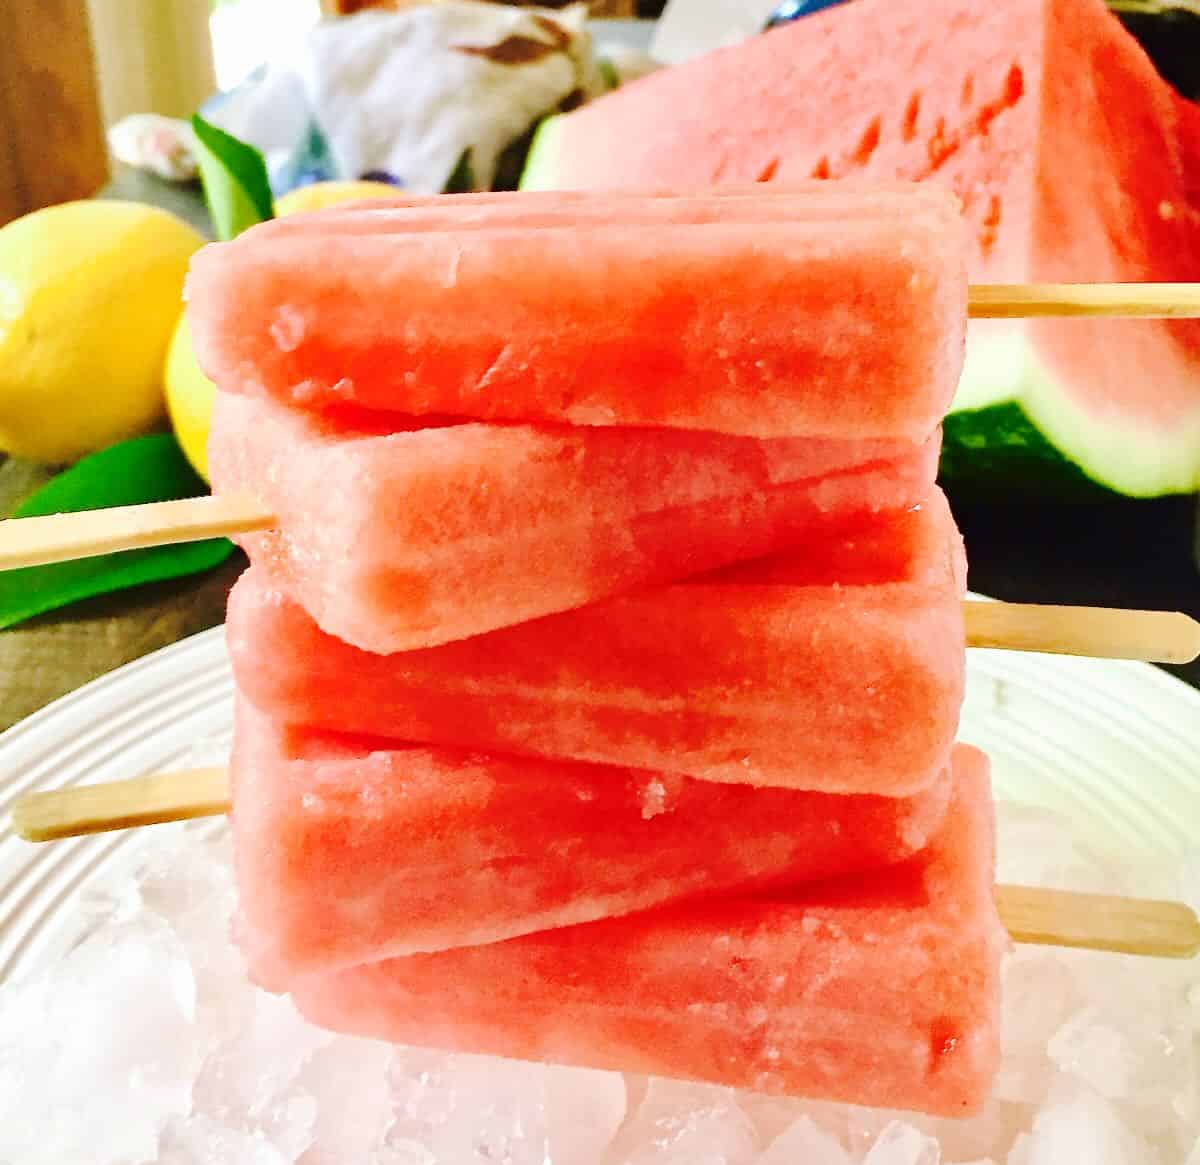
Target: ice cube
990, 1133
468, 1110
584, 1109
1133, 992
1138, 1062
859, 1128
805, 1143
1039, 995
348, 1082
279, 1136
190, 883
772, 1116
1080, 1125
106, 1037
204, 1140
255, 1066
287, 1123
901, 1144
679, 1123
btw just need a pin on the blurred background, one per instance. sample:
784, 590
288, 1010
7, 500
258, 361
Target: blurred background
70, 70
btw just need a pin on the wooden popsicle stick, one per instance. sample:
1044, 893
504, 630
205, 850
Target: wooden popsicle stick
1128, 300
1031, 914
149, 800
1097, 632
63, 537
1099, 922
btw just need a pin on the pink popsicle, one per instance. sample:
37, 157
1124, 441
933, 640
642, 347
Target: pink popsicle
351, 850
815, 312
881, 989
394, 540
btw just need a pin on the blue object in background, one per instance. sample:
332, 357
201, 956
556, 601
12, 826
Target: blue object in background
380, 176
310, 161
791, 10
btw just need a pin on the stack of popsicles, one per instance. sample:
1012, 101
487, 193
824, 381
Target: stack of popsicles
598, 683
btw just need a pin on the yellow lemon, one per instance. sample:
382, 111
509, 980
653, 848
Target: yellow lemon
321, 195
189, 392
89, 293
189, 398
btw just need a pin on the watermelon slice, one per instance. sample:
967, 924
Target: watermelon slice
837, 667
1074, 161
352, 849
399, 538
881, 989
835, 314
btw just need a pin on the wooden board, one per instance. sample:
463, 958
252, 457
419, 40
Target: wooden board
52, 146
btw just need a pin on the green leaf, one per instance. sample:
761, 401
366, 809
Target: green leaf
235, 180
146, 469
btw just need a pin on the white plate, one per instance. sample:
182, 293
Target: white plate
1115, 746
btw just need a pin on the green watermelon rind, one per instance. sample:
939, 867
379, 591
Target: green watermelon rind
541, 163
1054, 443
997, 454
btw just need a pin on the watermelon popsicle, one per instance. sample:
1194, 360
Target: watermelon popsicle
353, 849
837, 666
777, 314
396, 535
881, 989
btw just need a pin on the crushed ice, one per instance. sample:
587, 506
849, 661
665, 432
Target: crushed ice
145, 1044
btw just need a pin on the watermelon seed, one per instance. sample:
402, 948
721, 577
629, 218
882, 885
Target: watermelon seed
868, 143
1014, 90
768, 171
912, 113
991, 225
940, 145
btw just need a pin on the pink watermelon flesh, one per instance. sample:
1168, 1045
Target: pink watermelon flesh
881, 989
353, 849
1073, 159
836, 667
407, 539
778, 315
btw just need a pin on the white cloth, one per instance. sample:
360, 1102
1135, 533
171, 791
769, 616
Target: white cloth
395, 91
406, 93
